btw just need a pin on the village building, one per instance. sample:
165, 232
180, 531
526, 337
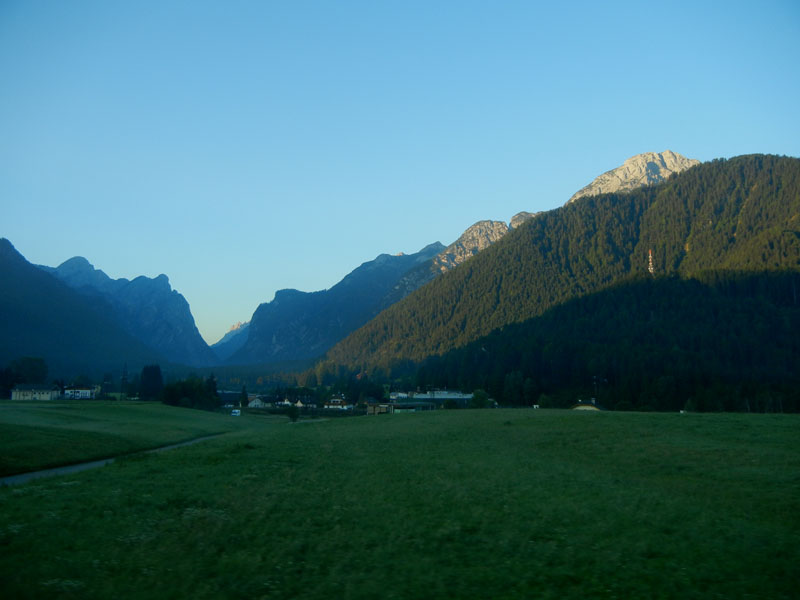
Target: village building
34, 391
442, 397
586, 405
286, 402
256, 402
412, 406
390, 408
338, 404
379, 408
79, 393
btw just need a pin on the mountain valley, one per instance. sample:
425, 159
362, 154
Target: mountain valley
475, 312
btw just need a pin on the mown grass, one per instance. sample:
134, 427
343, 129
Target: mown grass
39, 435
462, 504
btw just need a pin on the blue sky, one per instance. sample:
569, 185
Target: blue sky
245, 147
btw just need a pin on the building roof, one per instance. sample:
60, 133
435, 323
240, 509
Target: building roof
585, 406
35, 387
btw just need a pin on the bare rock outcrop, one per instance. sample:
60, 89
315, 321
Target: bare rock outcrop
519, 218
640, 170
479, 236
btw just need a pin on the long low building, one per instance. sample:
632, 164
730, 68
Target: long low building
380, 408
34, 391
442, 397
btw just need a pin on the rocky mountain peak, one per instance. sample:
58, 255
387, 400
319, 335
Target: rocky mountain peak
231, 341
238, 325
75, 264
643, 169
519, 218
78, 272
146, 308
477, 237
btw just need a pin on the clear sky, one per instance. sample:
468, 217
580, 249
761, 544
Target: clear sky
245, 147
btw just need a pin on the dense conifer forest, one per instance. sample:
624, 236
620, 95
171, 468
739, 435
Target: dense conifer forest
721, 341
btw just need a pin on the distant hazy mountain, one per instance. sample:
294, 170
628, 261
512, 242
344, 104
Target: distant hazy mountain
74, 333
149, 309
643, 169
231, 341
299, 325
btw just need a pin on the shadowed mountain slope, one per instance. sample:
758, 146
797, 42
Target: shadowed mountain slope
722, 340
44, 317
300, 325
148, 309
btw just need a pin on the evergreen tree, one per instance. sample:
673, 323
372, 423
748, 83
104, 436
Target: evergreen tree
151, 382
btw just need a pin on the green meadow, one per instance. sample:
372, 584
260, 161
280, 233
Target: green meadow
447, 504
39, 435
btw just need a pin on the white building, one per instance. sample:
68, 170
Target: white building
34, 391
79, 393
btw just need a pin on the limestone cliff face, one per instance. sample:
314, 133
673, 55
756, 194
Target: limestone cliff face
478, 237
643, 169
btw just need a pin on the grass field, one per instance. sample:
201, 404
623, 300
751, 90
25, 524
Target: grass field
38, 435
449, 504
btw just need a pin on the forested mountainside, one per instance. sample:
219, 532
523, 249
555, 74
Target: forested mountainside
737, 214
722, 340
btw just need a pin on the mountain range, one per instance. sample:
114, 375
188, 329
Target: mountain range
737, 214
148, 309
721, 215
44, 317
299, 325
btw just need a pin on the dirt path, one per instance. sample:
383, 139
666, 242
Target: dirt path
93, 464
